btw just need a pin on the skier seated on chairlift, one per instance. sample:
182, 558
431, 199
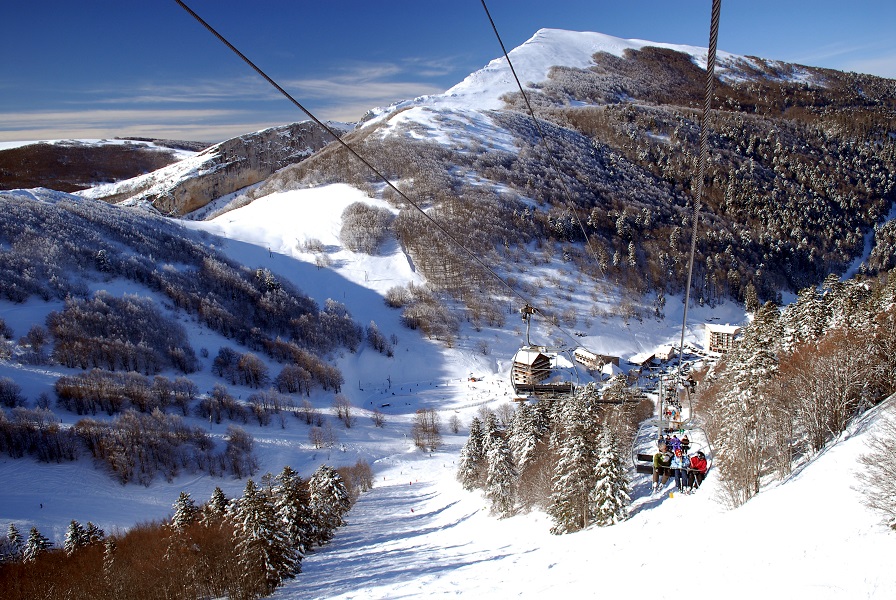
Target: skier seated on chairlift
680, 464
685, 443
697, 470
662, 462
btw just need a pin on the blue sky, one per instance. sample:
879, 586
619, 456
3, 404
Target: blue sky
105, 68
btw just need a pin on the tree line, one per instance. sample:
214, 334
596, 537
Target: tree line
243, 547
798, 378
565, 456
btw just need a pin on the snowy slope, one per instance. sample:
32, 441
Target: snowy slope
418, 533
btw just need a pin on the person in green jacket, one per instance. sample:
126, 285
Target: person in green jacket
662, 461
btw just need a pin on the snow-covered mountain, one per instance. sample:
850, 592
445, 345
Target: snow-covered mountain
219, 170
550, 48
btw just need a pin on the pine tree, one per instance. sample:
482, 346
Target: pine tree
328, 502
744, 415
75, 537
574, 474
36, 545
185, 512
16, 543
110, 577
472, 468
804, 320
94, 533
261, 544
214, 511
523, 437
501, 478
291, 506
609, 496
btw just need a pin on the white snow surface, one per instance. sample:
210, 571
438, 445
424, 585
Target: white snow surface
418, 533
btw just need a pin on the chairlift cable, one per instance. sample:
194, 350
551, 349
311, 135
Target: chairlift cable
704, 156
350, 150
354, 153
544, 139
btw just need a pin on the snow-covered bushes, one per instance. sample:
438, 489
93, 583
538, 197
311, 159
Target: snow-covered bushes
128, 334
112, 392
427, 429
10, 393
878, 479
364, 227
137, 447
798, 378
36, 432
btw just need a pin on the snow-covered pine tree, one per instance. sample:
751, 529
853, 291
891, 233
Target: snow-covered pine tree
111, 578
531, 454
471, 470
328, 502
804, 320
609, 496
501, 478
75, 537
94, 533
574, 473
16, 543
743, 416
185, 512
36, 545
262, 548
291, 505
523, 436
214, 511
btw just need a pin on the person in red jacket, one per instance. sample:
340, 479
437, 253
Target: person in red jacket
698, 469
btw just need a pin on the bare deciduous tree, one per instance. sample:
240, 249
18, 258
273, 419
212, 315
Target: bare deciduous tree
343, 409
426, 429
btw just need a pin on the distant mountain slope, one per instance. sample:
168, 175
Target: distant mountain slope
221, 169
72, 165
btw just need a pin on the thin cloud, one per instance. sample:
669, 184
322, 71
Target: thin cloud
873, 57
202, 125
374, 91
195, 92
882, 66
104, 117
178, 131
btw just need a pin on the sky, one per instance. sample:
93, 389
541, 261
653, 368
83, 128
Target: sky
105, 68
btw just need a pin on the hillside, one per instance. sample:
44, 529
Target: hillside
189, 185
72, 165
802, 165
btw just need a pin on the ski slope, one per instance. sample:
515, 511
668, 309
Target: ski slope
418, 533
